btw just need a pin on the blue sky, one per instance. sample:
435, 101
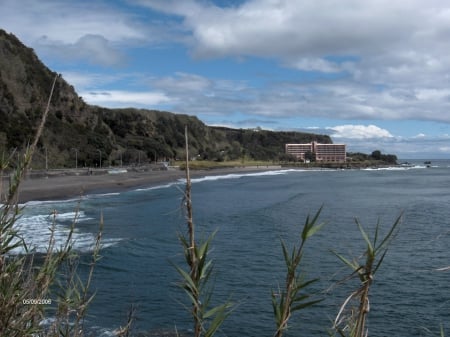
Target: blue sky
374, 74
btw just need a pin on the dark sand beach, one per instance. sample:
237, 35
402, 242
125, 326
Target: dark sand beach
64, 185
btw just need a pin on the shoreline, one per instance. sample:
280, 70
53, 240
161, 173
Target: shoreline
63, 184
66, 186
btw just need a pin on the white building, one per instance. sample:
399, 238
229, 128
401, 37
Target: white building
322, 152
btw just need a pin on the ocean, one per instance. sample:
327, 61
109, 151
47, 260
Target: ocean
410, 296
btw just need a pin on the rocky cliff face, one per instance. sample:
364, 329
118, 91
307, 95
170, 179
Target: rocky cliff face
90, 132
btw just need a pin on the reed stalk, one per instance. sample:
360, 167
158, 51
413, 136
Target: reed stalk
207, 319
351, 319
22, 279
293, 298
18, 283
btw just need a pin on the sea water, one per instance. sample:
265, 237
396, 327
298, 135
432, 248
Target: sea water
410, 295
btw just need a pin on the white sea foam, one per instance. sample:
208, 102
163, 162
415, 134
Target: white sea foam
395, 168
48, 202
157, 187
36, 232
91, 331
101, 195
237, 176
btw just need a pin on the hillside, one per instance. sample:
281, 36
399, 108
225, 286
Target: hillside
92, 133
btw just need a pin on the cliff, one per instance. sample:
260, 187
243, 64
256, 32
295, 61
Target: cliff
90, 132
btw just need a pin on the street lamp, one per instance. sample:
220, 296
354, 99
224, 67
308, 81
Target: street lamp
100, 154
46, 159
76, 157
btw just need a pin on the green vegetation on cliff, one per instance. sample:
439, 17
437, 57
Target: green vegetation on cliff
78, 133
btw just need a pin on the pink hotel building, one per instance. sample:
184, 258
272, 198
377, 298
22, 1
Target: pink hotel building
322, 152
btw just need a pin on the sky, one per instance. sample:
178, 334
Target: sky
373, 74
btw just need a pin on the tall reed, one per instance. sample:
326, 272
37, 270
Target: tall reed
26, 285
195, 281
18, 279
293, 297
351, 319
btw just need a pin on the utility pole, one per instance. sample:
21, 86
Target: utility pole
76, 157
100, 154
46, 159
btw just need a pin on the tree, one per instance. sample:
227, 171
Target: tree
311, 156
376, 155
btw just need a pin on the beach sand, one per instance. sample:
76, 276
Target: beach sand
65, 186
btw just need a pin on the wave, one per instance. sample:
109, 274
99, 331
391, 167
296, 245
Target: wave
158, 187
215, 178
237, 176
48, 202
36, 233
94, 330
77, 199
394, 168
101, 195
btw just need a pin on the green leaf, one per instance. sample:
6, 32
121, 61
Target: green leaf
305, 305
379, 262
285, 254
391, 232
186, 277
353, 265
307, 283
276, 308
301, 298
205, 271
214, 311
377, 229
202, 251
365, 236
308, 229
313, 230
220, 317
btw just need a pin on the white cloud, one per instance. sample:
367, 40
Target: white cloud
94, 48
67, 21
393, 58
359, 132
292, 28
117, 98
445, 149
373, 59
315, 64
183, 83
81, 29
